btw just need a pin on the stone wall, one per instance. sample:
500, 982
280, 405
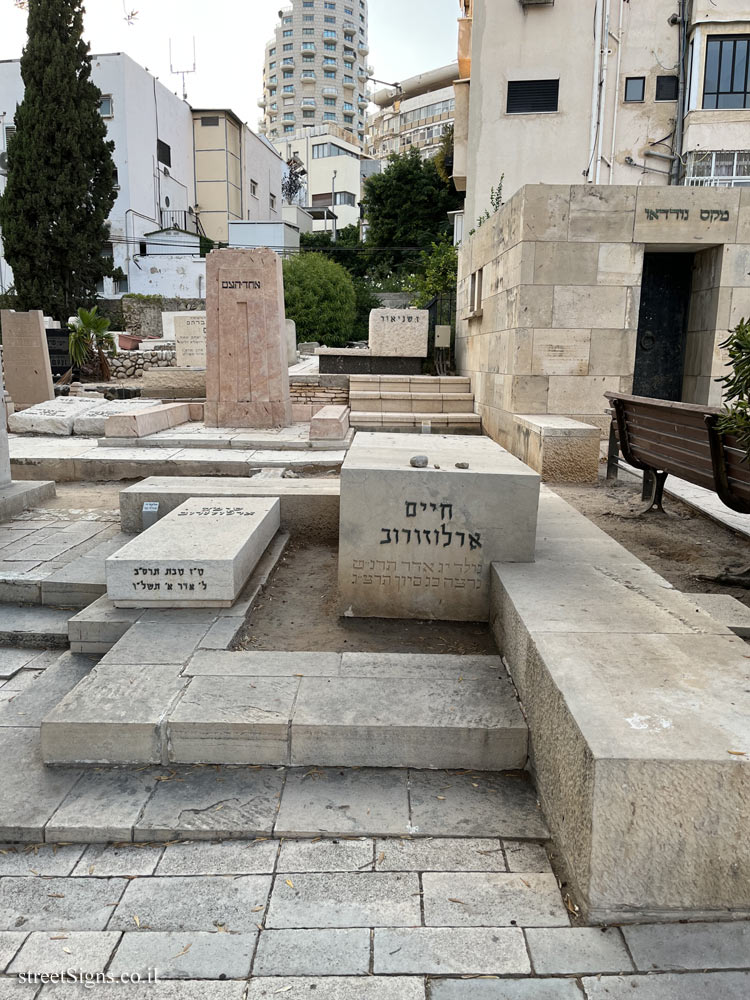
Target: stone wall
560, 268
311, 393
142, 316
132, 364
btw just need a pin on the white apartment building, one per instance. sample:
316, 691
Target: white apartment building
647, 92
316, 70
413, 115
177, 169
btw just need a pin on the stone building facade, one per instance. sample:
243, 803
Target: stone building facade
571, 291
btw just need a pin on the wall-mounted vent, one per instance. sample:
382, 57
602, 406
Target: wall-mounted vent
537, 3
532, 96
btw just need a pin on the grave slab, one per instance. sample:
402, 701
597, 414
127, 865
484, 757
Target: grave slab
92, 422
201, 554
56, 416
427, 554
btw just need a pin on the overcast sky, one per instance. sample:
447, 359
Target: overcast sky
406, 37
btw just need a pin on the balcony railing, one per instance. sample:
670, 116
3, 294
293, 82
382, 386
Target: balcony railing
720, 168
183, 220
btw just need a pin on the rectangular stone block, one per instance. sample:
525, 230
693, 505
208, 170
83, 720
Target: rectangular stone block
694, 215
93, 421
330, 423
55, 417
480, 899
418, 542
440, 951
201, 554
561, 352
28, 373
560, 449
190, 339
147, 420
399, 333
344, 899
586, 306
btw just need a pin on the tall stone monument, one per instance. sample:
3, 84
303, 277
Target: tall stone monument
28, 374
247, 381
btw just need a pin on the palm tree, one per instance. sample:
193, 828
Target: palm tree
91, 343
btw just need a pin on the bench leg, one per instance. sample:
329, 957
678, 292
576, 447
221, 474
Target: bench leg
653, 490
613, 456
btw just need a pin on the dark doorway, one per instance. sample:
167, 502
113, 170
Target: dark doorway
662, 326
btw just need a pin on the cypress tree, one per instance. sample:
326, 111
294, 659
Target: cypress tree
61, 175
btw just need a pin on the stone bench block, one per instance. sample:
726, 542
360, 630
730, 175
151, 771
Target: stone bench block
637, 704
93, 421
199, 555
330, 423
148, 420
560, 449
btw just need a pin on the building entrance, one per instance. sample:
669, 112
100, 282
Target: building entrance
662, 325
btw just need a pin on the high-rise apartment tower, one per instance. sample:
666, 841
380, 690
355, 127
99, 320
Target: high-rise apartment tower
316, 69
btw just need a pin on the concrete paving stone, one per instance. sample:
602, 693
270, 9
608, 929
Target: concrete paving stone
31, 791
341, 988
450, 951
344, 899
118, 859
264, 664
33, 625
330, 952
355, 855
409, 723
201, 903
295, 460
692, 986
467, 899
210, 803
157, 643
11, 989
576, 951
475, 805
343, 802
29, 707
185, 954
234, 720
505, 989
526, 856
22, 680
725, 609
227, 857
103, 806
102, 622
689, 946
222, 633
85, 951
113, 716
439, 855
421, 665
11, 660
10, 942
51, 904
39, 859
167, 990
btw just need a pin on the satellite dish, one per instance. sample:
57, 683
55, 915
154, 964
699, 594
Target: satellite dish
4, 164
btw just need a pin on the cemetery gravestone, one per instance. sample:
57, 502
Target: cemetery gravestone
28, 374
199, 555
247, 383
58, 346
190, 340
399, 333
291, 341
4, 455
418, 542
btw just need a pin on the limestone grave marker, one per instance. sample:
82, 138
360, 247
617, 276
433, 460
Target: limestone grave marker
247, 383
418, 542
190, 339
291, 342
56, 416
28, 374
199, 555
399, 333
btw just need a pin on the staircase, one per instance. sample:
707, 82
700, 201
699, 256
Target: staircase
402, 403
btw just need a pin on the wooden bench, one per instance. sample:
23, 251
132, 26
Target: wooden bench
662, 438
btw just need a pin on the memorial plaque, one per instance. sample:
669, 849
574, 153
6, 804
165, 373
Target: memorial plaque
399, 333
58, 346
199, 555
28, 374
419, 542
190, 340
247, 383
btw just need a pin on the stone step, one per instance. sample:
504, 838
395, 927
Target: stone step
442, 423
410, 383
348, 710
408, 402
31, 625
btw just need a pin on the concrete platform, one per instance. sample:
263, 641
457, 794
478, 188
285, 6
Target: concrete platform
20, 496
306, 708
638, 705
28, 625
309, 507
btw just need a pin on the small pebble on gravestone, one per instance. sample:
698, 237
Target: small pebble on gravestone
419, 461
462, 465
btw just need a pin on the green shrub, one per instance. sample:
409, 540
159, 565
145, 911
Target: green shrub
320, 298
366, 300
736, 419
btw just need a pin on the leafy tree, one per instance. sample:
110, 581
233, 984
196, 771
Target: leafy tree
444, 156
90, 343
366, 301
407, 205
61, 176
438, 274
348, 249
293, 182
320, 298
736, 420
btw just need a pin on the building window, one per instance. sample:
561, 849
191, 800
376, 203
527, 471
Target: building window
667, 88
116, 180
727, 83
345, 198
105, 106
532, 96
272, 200
308, 114
475, 293
330, 101
330, 74
163, 153
635, 89
254, 188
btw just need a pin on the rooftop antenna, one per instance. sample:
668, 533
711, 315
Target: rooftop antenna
181, 72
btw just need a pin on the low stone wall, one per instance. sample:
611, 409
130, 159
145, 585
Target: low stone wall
132, 364
311, 393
